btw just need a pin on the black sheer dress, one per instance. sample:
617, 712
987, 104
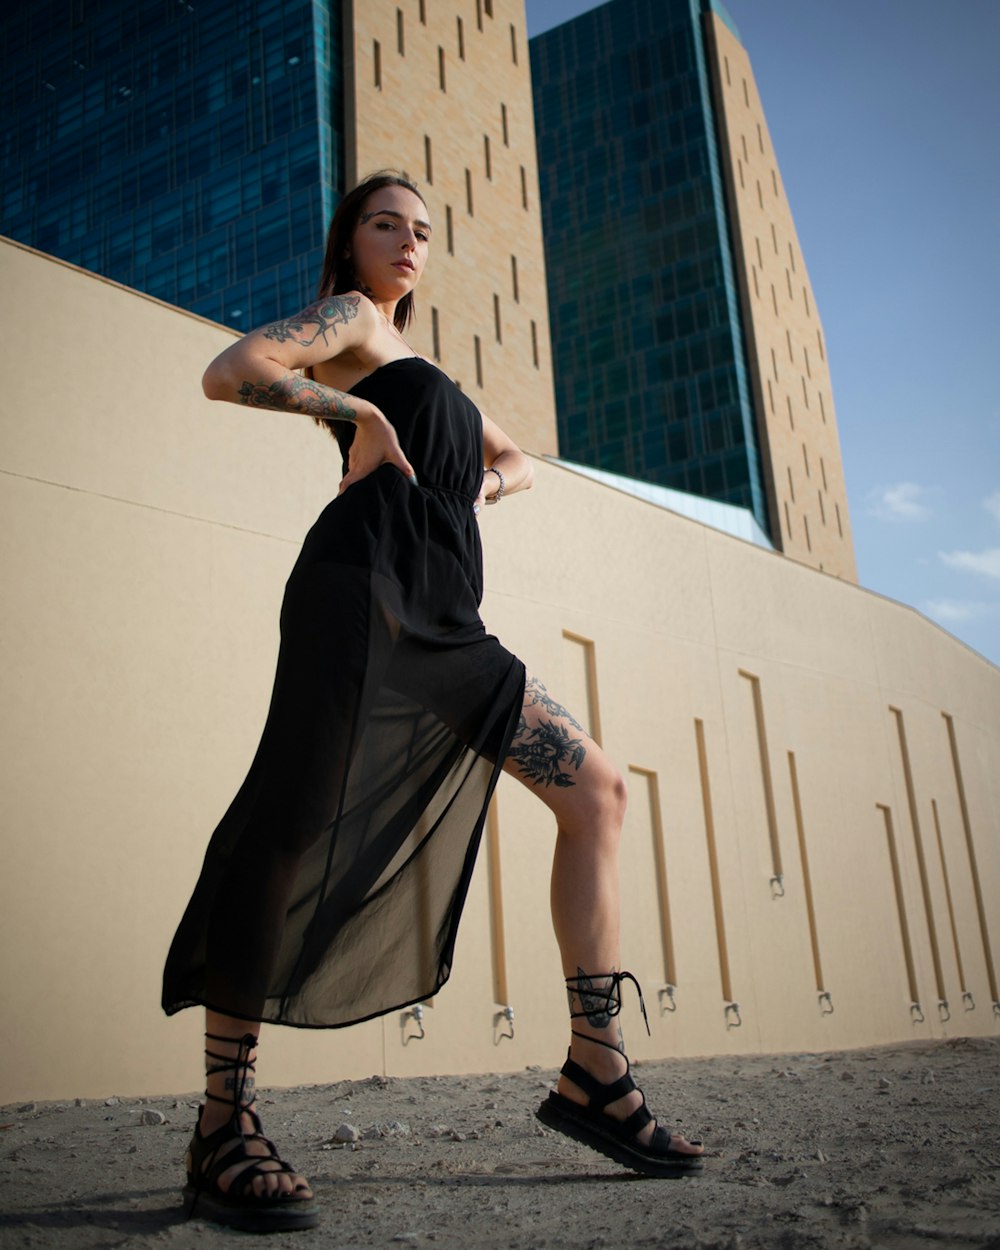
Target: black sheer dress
332, 889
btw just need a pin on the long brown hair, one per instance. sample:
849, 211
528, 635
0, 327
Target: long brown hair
338, 269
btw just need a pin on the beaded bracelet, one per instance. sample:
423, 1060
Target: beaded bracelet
503, 485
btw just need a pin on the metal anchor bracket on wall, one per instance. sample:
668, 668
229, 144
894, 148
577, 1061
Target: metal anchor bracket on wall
944, 1011
916, 1013
506, 1016
667, 992
732, 1016
777, 887
415, 1013
968, 1001
996, 1008
825, 1003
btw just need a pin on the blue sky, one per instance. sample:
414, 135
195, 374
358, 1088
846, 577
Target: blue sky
884, 115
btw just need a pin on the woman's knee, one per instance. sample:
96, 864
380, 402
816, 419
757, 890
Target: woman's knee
617, 794
607, 794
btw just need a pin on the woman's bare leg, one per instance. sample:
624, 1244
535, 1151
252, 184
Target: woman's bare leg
554, 756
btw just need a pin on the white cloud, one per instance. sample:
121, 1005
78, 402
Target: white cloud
992, 505
902, 502
986, 563
955, 610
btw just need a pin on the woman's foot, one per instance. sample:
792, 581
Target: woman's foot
270, 1180
597, 1102
235, 1175
606, 1063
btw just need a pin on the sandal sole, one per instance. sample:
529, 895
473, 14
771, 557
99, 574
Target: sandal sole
560, 1114
278, 1217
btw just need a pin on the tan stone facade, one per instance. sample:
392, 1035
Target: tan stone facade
812, 850
804, 474
443, 90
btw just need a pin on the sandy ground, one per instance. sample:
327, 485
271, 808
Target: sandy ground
893, 1147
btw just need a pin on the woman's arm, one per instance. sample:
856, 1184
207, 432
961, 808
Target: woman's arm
502, 453
261, 371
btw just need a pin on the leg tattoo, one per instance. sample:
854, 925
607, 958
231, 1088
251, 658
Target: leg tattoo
545, 751
596, 1002
535, 692
541, 752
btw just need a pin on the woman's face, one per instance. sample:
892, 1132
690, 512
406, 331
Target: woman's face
389, 245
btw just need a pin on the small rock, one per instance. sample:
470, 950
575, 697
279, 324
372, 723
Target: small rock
883, 1083
392, 1128
111, 1102
27, 1108
822, 1157
346, 1133
928, 1078
407, 1237
534, 1067
149, 1116
847, 1076
78, 1102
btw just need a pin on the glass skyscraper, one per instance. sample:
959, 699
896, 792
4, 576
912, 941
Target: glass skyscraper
193, 151
648, 347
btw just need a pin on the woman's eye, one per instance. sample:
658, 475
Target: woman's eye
384, 225
422, 237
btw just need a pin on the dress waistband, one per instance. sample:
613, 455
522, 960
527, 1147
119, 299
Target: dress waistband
447, 490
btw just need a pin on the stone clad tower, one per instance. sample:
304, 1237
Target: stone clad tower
444, 90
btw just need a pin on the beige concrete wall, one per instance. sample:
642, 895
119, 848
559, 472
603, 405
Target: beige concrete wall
145, 535
443, 90
790, 374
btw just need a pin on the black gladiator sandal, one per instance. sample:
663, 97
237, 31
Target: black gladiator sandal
212, 1155
591, 1124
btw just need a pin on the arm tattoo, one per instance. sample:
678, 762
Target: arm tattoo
293, 393
541, 752
535, 692
314, 322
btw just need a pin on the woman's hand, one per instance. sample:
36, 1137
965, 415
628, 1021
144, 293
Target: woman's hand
375, 443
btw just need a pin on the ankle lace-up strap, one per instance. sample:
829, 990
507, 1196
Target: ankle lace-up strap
599, 994
240, 1063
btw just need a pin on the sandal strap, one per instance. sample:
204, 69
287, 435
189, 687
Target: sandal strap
638, 1120
209, 1161
601, 992
600, 1095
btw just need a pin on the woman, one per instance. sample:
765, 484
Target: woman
331, 890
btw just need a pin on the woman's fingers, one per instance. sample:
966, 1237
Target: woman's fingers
375, 443
361, 467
